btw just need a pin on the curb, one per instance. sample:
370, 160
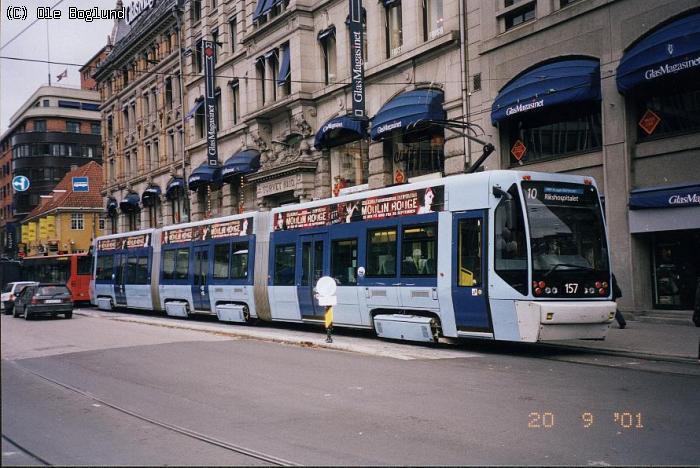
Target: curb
625, 353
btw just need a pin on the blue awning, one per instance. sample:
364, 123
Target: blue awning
130, 202
284, 68
408, 108
340, 130
241, 163
678, 196
150, 196
203, 175
112, 205
560, 82
175, 187
324, 33
671, 49
262, 8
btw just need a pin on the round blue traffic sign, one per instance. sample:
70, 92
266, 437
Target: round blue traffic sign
20, 183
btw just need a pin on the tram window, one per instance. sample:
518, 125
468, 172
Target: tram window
169, 264
182, 263
221, 260
85, 265
239, 260
469, 252
105, 263
143, 270
285, 257
510, 262
419, 250
137, 270
381, 252
344, 261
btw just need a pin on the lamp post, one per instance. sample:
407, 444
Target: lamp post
177, 11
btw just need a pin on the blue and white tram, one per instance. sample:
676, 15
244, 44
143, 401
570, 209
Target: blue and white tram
503, 255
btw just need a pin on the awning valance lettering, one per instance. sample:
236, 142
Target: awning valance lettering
411, 107
151, 195
565, 81
204, 175
175, 187
339, 131
242, 163
130, 203
670, 50
665, 197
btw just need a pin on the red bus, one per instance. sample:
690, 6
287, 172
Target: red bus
73, 270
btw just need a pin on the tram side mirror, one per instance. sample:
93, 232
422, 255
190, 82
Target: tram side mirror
509, 205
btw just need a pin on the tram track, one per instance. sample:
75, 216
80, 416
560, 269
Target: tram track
252, 453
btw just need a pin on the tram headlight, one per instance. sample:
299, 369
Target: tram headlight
548, 290
538, 291
598, 284
601, 291
555, 290
541, 285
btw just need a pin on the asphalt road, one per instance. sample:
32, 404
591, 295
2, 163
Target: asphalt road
102, 390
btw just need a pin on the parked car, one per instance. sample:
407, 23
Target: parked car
10, 293
44, 299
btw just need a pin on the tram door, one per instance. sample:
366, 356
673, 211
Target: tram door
200, 286
469, 292
313, 266
120, 279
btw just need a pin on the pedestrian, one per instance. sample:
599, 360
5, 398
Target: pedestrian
617, 293
696, 311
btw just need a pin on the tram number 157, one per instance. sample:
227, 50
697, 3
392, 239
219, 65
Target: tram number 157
571, 288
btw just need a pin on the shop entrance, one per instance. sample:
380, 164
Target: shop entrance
676, 267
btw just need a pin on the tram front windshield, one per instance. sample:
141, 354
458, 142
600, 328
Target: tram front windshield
568, 243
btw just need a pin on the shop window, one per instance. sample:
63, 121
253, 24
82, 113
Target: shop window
133, 221
344, 261
222, 254
419, 250
555, 133
416, 154
381, 252
177, 207
394, 34
519, 16
285, 258
349, 165
676, 268
670, 110
433, 19
239, 260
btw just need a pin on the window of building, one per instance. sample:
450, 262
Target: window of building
349, 165
197, 57
344, 261
416, 154
235, 101
676, 265
171, 145
233, 29
196, 10
563, 3
214, 4
510, 252
433, 19
419, 250
133, 220
101, 223
239, 260
217, 108
155, 156
328, 50
669, 110
199, 122
146, 99
46, 103
520, 15
77, 222
285, 259
40, 125
110, 127
95, 128
555, 133
87, 151
168, 93
381, 252
72, 126
273, 63
394, 34
260, 72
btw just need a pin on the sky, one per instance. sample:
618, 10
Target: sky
69, 41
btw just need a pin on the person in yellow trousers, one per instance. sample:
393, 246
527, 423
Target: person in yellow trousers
329, 324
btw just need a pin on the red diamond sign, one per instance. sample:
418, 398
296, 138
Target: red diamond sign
649, 121
518, 150
209, 51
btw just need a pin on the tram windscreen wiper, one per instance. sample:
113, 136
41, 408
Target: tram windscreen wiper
570, 265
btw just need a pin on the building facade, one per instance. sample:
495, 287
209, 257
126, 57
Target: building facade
57, 129
67, 220
551, 83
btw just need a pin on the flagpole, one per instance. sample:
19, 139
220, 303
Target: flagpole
48, 52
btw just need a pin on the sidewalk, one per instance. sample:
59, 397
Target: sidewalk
649, 340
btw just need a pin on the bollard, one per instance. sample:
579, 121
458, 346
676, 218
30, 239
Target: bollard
329, 324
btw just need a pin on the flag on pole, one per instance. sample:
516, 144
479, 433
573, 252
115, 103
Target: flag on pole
62, 75
194, 110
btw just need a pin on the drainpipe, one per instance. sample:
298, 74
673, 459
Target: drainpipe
464, 64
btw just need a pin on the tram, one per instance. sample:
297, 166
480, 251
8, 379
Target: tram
504, 255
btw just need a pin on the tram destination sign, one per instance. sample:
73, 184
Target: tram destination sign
238, 227
123, 243
414, 202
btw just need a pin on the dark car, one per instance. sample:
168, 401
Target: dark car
44, 299
10, 293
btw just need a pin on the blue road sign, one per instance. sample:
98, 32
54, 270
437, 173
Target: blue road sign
81, 184
20, 183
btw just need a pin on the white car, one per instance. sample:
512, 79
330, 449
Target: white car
10, 293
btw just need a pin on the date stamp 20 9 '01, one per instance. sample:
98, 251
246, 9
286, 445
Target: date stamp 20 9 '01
623, 419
